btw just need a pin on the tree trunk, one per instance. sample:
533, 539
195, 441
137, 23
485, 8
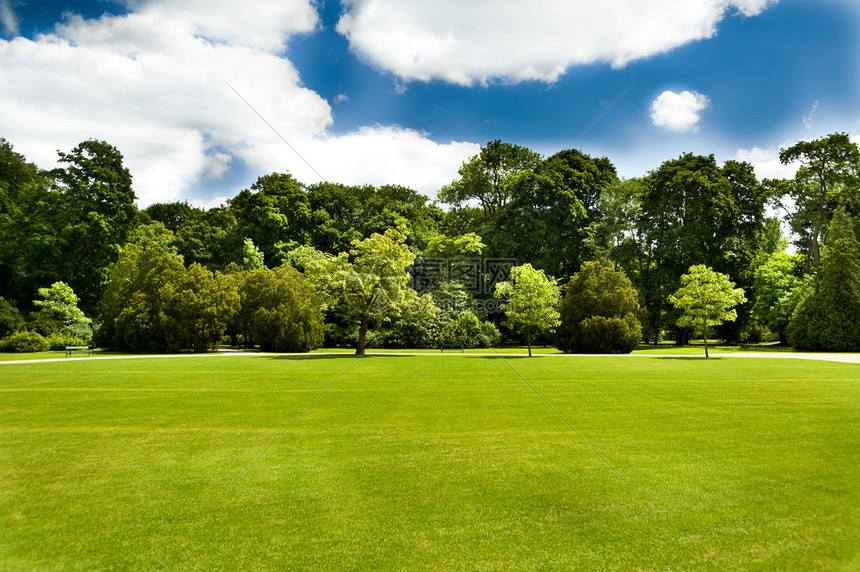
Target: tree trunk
362, 335
529, 338
705, 334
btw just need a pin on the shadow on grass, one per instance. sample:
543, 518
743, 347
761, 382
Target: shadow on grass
335, 356
690, 358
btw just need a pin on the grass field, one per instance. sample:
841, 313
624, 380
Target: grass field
327, 462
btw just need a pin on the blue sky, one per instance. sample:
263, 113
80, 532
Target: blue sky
362, 101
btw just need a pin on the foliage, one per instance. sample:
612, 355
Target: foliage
777, 290
465, 328
59, 341
465, 245
695, 212
154, 304
706, 298
371, 283
58, 309
10, 318
828, 317
827, 177
493, 177
24, 342
531, 298
599, 312
279, 311
252, 258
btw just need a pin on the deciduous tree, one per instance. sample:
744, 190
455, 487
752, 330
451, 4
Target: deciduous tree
531, 300
706, 298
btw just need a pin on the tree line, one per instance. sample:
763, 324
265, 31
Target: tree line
285, 265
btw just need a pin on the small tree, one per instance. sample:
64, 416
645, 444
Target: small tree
532, 298
58, 310
707, 298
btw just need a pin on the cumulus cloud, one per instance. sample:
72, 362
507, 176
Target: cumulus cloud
765, 161
679, 112
151, 84
8, 19
262, 24
481, 40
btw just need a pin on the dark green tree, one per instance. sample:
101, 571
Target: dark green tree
599, 312
274, 210
98, 216
280, 311
696, 212
828, 317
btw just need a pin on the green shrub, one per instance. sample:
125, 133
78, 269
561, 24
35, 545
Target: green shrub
24, 342
58, 341
599, 312
602, 335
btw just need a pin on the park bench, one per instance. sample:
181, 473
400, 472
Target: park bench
78, 350
443, 347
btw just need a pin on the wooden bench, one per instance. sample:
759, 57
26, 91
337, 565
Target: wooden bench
78, 350
442, 347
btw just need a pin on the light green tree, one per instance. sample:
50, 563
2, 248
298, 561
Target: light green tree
252, 257
59, 306
468, 244
371, 281
532, 298
707, 298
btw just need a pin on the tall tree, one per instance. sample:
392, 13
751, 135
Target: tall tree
274, 210
828, 317
493, 177
696, 212
100, 214
829, 176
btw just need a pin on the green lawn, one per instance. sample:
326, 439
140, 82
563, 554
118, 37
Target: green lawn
327, 462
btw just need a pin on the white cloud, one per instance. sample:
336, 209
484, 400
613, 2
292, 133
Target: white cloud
263, 24
807, 119
679, 112
481, 40
382, 155
156, 89
8, 19
765, 161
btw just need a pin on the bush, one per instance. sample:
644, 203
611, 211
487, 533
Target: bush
279, 310
10, 318
24, 342
599, 312
58, 341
